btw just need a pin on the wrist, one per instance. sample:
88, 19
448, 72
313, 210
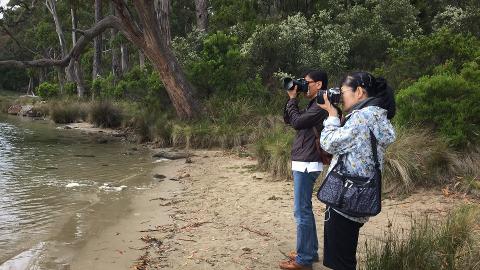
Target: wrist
332, 112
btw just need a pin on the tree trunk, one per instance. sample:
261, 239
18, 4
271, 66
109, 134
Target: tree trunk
141, 59
30, 86
97, 43
162, 10
76, 61
114, 50
150, 39
157, 49
125, 58
201, 14
51, 6
79, 77
41, 75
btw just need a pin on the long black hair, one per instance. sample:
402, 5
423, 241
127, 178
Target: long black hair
375, 87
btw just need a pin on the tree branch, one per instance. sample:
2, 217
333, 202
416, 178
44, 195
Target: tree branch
97, 29
6, 31
132, 31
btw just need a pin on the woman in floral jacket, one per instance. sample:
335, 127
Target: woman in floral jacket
369, 104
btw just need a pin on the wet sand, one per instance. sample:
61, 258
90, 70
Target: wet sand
224, 215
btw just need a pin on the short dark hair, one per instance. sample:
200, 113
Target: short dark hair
318, 75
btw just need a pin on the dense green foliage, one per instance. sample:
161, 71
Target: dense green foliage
47, 90
445, 102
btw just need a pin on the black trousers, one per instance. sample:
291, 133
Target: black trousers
340, 236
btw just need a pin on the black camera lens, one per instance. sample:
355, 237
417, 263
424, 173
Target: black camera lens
289, 84
333, 95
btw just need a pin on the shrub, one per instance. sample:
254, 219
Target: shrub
411, 58
47, 90
220, 67
453, 244
105, 114
64, 112
447, 103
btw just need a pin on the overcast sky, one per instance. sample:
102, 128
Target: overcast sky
3, 3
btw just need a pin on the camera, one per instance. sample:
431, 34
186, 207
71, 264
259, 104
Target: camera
333, 95
289, 84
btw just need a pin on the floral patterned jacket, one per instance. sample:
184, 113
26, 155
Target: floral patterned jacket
353, 140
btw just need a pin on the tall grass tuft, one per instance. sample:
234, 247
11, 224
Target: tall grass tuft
105, 114
453, 244
417, 157
63, 112
273, 149
5, 103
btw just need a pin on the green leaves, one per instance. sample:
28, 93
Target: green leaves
450, 104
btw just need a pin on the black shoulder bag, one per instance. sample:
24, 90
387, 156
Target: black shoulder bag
353, 195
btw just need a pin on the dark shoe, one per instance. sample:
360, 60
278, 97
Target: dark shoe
292, 265
293, 255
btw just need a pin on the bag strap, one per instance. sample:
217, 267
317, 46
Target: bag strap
373, 142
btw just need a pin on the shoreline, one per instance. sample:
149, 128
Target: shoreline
219, 213
225, 215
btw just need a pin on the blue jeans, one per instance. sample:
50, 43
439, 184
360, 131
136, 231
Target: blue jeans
307, 241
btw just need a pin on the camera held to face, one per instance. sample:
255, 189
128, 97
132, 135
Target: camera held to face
289, 84
333, 95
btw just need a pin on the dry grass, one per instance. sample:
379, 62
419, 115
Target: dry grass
430, 245
417, 157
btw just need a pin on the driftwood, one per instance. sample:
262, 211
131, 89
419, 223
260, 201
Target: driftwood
172, 155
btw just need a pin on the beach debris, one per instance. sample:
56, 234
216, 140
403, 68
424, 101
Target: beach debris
81, 155
246, 249
266, 234
159, 176
110, 187
171, 155
274, 198
255, 176
150, 230
151, 241
183, 175
71, 185
159, 198
14, 109
51, 168
194, 225
174, 179
142, 262
161, 160
102, 140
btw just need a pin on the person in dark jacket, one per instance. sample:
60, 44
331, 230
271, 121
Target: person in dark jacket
306, 166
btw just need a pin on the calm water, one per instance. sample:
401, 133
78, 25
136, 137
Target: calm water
51, 195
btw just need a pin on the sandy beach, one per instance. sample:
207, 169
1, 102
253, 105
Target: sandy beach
216, 212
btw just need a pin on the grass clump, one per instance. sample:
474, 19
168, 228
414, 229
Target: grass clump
417, 157
105, 114
453, 244
273, 149
62, 112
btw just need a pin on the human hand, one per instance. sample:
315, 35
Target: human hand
327, 106
292, 93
